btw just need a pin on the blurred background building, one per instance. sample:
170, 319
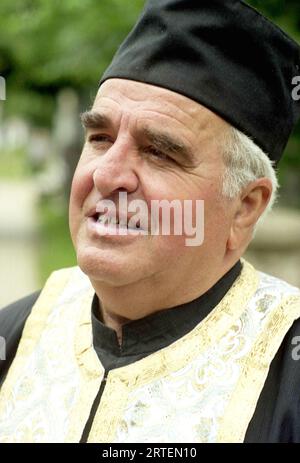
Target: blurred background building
52, 54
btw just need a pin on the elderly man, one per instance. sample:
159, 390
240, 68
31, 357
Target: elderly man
152, 338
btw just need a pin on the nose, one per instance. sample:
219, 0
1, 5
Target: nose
115, 170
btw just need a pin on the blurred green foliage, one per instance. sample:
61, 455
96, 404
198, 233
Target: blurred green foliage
47, 45
14, 167
56, 248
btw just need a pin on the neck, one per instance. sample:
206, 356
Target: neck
122, 304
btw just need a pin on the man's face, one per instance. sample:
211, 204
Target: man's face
152, 144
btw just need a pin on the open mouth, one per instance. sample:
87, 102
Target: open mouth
115, 222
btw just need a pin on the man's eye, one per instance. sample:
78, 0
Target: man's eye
157, 153
99, 138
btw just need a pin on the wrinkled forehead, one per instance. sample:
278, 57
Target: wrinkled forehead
117, 95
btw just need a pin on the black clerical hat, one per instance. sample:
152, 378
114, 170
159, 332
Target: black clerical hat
223, 54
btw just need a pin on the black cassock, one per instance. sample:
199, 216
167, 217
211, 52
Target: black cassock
277, 414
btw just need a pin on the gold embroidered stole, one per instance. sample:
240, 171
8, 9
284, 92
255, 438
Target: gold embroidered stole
202, 388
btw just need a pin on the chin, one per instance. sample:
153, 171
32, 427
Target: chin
101, 266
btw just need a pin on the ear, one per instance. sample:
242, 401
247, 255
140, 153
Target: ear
250, 205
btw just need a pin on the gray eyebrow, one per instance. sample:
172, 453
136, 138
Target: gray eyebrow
168, 143
94, 120
160, 140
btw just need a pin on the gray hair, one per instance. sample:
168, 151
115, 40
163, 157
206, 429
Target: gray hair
245, 162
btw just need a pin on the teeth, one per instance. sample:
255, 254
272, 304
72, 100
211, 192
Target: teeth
109, 220
103, 219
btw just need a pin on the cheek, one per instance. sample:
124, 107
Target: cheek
82, 184
217, 223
